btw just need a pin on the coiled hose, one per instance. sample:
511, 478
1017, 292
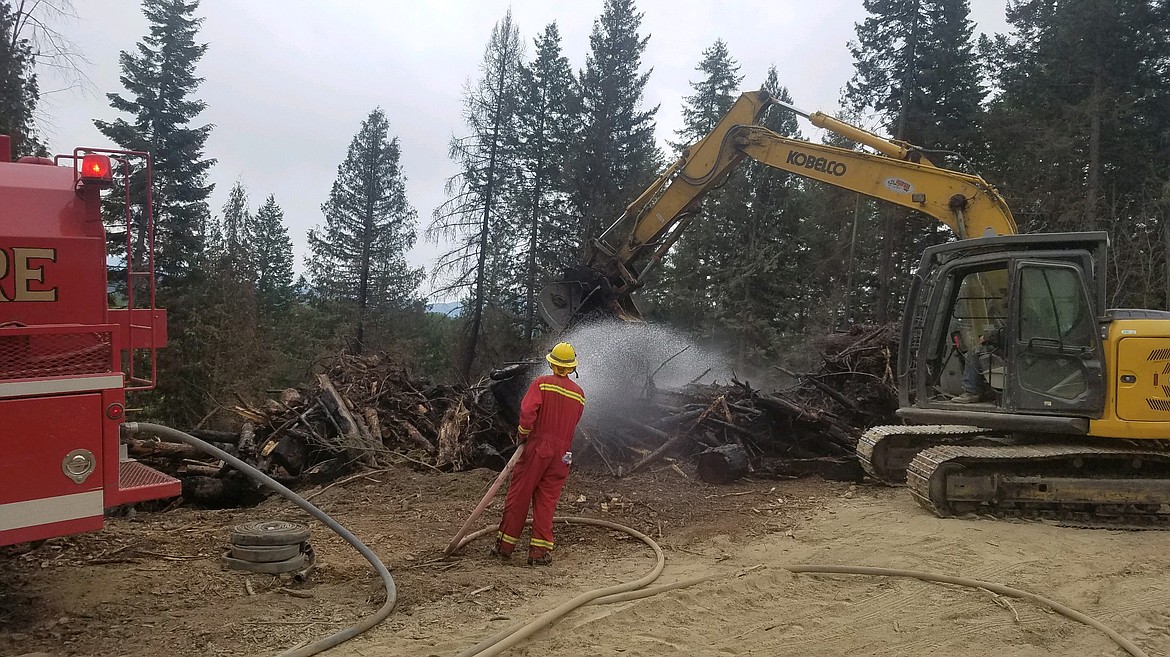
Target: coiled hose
263, 479
632, 590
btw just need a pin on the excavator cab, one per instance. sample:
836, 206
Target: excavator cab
1067, 378
1021, 313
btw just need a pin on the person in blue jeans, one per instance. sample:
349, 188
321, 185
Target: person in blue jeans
976, 389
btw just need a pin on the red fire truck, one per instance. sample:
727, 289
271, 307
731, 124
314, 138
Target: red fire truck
67, 358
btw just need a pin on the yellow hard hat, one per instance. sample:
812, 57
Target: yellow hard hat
562, 355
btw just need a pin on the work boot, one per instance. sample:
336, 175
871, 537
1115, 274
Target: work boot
501, 551
969, 398
539, 558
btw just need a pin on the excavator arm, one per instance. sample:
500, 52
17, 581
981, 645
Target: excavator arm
966, 203
617, 261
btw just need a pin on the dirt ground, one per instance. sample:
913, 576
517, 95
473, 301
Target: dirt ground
153, 584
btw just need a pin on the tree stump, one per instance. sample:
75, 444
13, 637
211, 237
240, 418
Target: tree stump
291, 453
723, 464
221, 492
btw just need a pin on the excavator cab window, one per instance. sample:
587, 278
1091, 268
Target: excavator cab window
1059, 356
972, 344
1052, 308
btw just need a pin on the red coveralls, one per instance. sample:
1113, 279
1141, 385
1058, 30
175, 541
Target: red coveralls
548, 416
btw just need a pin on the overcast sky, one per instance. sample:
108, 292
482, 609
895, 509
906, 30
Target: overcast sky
288, 82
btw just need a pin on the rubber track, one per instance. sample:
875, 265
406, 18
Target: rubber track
928, 434
932, 463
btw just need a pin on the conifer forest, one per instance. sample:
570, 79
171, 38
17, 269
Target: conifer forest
1067, 114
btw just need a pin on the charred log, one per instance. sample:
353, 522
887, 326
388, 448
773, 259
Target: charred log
723, 464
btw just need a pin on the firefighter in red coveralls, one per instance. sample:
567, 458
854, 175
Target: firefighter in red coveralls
548, 417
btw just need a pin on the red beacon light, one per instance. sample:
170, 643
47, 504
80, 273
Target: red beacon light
95, 170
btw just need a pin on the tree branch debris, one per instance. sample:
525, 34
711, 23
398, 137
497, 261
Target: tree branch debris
367, 411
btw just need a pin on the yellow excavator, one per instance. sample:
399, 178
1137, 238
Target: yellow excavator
1075, 399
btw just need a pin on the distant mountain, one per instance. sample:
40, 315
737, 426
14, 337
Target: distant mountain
448, 308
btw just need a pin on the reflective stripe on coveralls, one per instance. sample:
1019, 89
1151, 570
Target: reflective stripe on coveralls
549, 387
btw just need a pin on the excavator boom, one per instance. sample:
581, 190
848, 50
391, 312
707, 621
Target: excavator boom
966, 203
616, 263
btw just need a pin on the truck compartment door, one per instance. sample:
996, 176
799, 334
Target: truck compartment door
50, 466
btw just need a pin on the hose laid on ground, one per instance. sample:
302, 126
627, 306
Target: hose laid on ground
1008, 591
487, 499
653, 590
254, 474
509, 637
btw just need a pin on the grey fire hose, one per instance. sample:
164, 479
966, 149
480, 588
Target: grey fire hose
254, 474
509, 637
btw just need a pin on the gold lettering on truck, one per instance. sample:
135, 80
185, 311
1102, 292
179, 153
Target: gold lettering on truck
25, 272
3, 273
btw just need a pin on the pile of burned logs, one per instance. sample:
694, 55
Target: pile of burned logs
367, 411
810, 427
358, 411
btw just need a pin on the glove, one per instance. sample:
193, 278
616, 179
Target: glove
992, 336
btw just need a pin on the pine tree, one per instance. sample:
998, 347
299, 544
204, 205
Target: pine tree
1079, 129
616, 156
160, 78
358, 257
695, 272
916, 67
715, 92
18, 82
255, 247
272, 257
224, 353
296, 330
475, 216
249, 332
841, 240
769, 279
232, 232
546, 120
